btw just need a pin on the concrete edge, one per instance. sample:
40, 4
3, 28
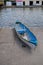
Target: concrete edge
21, 6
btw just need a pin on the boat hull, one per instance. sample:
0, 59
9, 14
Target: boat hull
20, 30
25, 42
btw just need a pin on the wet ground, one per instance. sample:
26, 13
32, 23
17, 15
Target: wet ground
32, 17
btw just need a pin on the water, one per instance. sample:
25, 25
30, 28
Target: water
32, 17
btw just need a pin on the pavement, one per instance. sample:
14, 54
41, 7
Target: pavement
12, 52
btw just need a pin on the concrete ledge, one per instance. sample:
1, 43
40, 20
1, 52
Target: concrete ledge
34, 6
12, 53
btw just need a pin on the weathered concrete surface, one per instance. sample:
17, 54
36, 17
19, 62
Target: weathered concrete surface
12, 53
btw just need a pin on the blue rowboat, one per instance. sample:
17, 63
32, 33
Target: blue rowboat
25, 34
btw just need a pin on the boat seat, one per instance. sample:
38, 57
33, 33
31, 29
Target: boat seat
21, 31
